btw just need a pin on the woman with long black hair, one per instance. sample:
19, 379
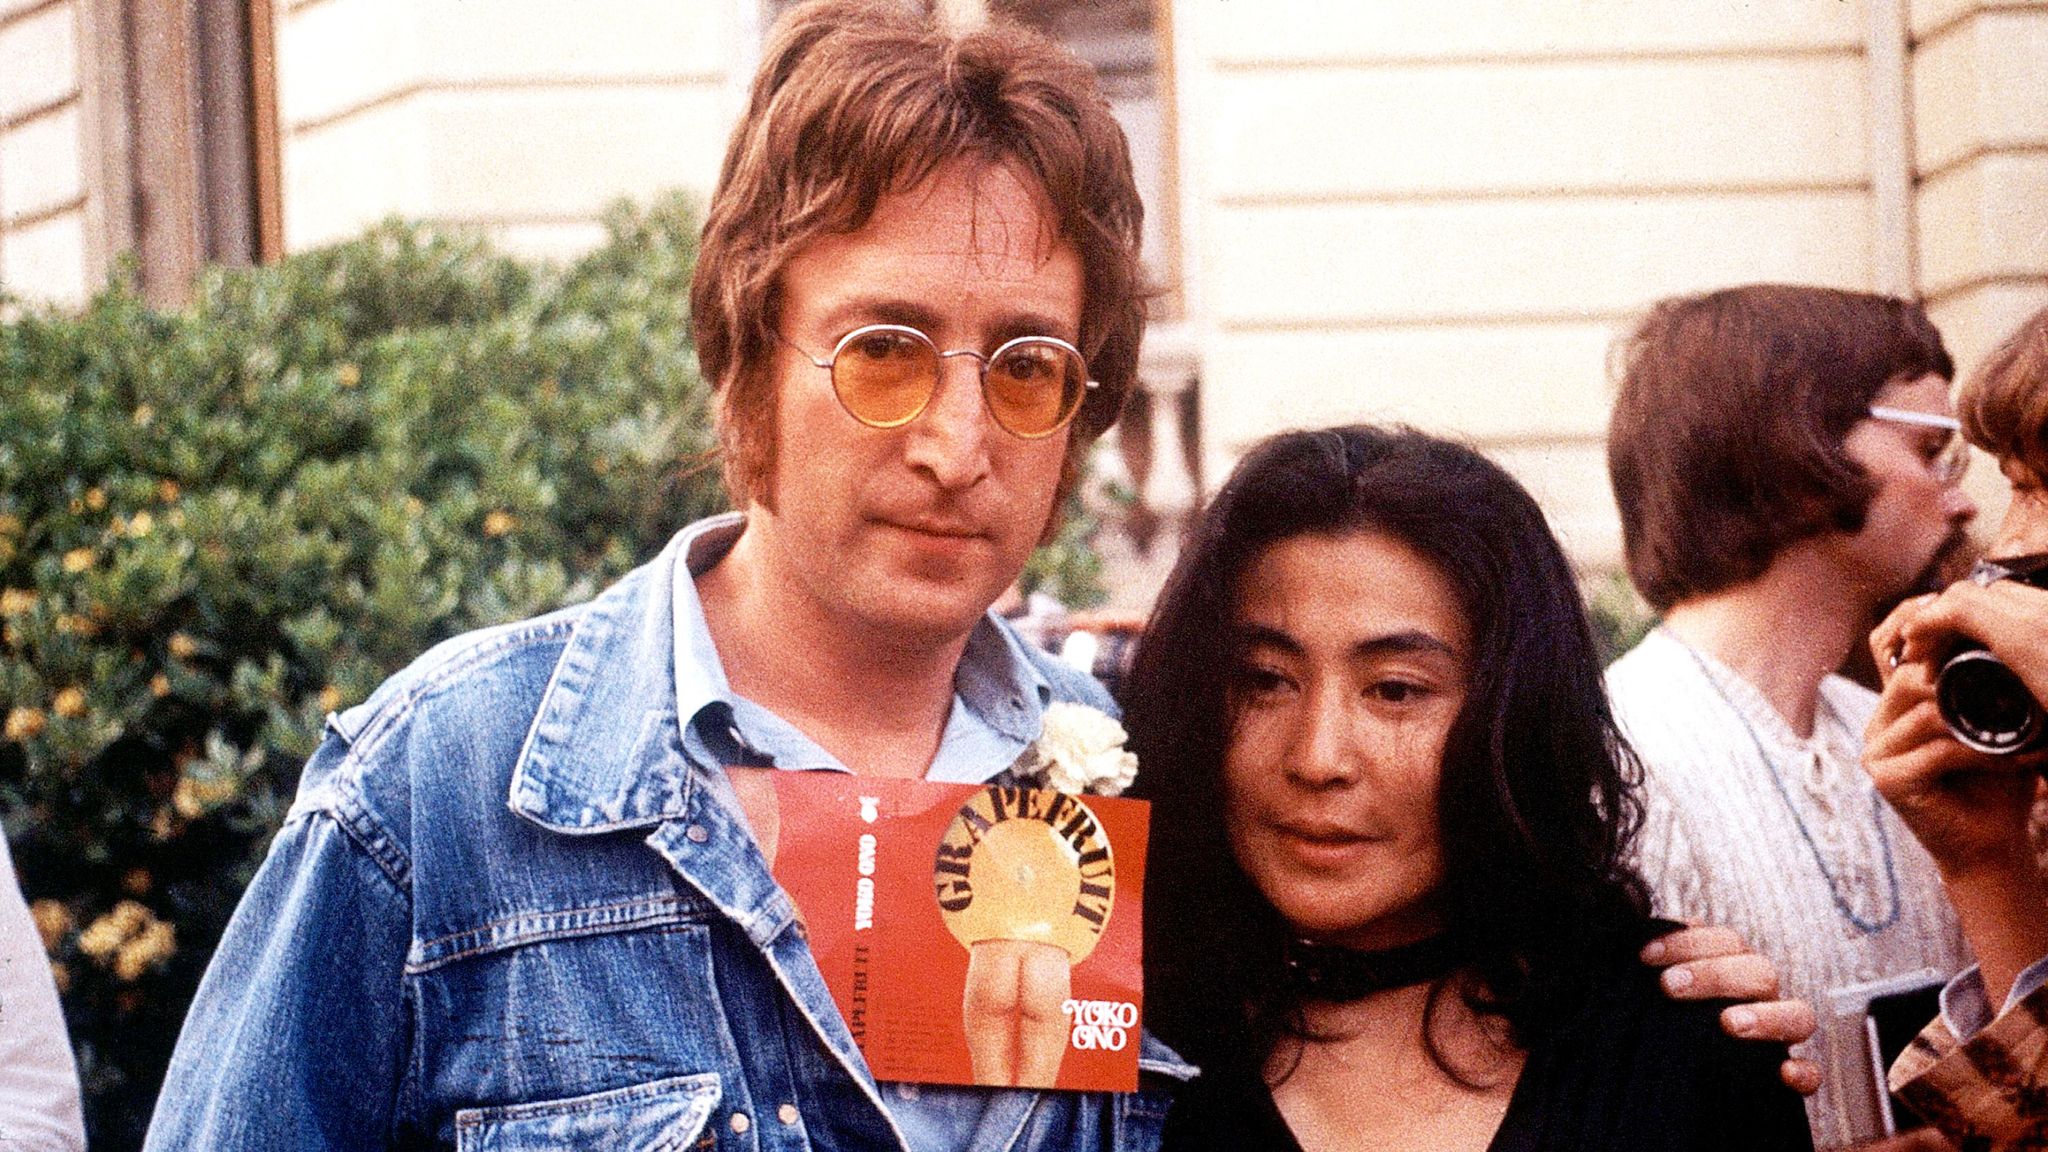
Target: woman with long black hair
1389, 903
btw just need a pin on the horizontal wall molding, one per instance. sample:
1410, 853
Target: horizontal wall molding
1978, 154
35, 112
1358, 62
1264, 200
1439, 321
678, 80
44, 215
29, 12
1961, 288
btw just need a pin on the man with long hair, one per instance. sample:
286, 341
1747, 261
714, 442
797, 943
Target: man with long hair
1786, 464
524, 896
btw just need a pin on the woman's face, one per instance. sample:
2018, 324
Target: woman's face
1354, 656
2024, 531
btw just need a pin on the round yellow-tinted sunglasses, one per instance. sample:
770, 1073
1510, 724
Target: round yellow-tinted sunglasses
886, 374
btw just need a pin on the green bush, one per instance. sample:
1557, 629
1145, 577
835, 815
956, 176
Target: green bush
219, 524
1619, 617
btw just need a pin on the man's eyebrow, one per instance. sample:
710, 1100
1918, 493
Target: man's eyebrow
1015, 324
854, 311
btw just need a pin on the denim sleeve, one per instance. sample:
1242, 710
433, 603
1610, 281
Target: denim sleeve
299, 1035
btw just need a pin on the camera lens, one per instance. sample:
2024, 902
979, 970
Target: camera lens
1986, 705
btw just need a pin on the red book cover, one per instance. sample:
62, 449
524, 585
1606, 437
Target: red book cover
972, 934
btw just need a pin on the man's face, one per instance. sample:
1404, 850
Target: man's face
914, 531
1916, 519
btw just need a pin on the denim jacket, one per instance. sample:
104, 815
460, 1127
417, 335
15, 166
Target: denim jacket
507, 911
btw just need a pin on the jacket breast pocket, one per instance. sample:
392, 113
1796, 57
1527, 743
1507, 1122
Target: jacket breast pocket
661, 1116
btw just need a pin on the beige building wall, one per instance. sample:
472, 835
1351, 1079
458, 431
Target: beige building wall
521, 116
1980, 114
1981, 117
1444, 214
43, 232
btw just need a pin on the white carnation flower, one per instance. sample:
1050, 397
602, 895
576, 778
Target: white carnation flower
1081, 749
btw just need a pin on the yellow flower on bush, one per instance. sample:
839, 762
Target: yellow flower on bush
498, 522
15, 601
182, 646
104, 936
25, 723
159, 685
60, 975
130, 940
195, 796
141, 525
167, 491
70, 702
79, 560
330, 698
95, 499
148, 948
349, 375
53, 922
72, 624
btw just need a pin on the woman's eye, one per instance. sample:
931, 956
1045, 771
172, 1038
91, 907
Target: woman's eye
1396, 691
1256, 681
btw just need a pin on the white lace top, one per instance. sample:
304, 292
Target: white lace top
1785, 840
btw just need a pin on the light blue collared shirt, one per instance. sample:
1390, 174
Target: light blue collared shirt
1967, 1010
999, 702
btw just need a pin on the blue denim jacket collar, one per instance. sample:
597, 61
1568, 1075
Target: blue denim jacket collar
617, 686
614, 688
996, 681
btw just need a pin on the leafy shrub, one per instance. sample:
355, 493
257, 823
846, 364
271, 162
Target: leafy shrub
219, 524
1619, 617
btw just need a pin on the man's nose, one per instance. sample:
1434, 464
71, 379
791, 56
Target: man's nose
950, 439
1960, 507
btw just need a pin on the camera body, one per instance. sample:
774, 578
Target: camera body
1984, 703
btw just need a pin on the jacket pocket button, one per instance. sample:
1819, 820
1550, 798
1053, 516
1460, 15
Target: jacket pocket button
787, 1114
740, 1123
697, 833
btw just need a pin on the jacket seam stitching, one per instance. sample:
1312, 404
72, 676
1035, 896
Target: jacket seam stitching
580, 922
352, 815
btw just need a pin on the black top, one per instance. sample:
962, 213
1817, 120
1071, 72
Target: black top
1634, 1071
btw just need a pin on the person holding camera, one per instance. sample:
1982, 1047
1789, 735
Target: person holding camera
1962, 766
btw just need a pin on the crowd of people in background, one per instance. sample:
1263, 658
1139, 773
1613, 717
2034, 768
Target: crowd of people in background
1419, 866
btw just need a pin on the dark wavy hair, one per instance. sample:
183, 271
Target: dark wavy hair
1538, 806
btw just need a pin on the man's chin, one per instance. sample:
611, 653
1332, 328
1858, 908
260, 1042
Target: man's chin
931, 608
